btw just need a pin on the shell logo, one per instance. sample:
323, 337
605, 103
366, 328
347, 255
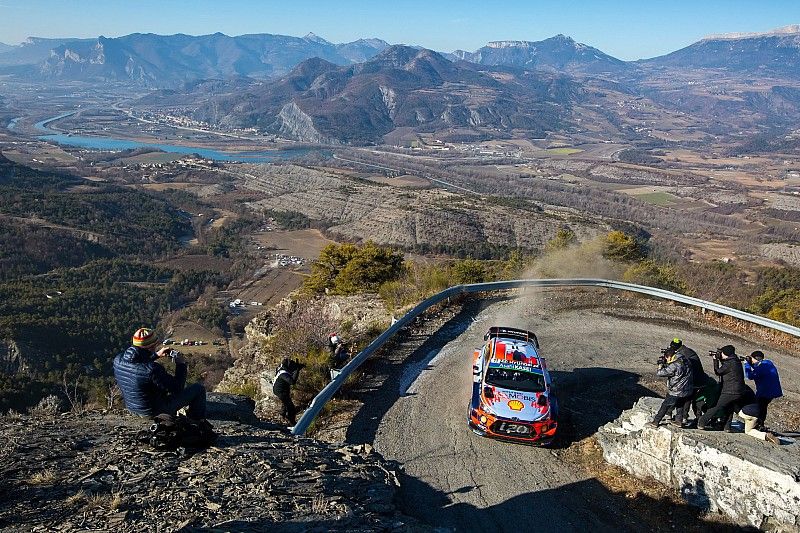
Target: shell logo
516, 405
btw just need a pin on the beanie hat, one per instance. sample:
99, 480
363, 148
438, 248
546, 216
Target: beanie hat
675, 343
758, 354
145, 338
728, 350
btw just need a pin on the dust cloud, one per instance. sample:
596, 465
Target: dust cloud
584, 260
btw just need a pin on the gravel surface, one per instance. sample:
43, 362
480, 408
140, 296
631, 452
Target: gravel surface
601, 349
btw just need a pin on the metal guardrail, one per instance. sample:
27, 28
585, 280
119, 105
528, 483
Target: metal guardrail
330, 389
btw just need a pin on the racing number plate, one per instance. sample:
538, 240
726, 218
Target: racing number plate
510, 428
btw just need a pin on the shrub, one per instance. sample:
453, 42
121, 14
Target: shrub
469, 271
350, 269
655, 275
564, 238
620, 246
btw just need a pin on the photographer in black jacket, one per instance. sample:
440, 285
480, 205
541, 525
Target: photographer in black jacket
733, 390
286, 376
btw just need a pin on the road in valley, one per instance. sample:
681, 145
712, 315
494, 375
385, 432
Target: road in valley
601, 360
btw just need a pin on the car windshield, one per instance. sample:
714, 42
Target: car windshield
519, 380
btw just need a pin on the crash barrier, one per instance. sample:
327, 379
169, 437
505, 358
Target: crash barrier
330, 389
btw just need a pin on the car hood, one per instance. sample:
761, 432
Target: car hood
515, 404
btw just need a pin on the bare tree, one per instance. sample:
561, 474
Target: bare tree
112, 395
72, 394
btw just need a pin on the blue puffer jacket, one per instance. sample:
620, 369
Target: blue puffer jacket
144, 383
768, 384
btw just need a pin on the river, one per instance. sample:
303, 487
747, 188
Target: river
116, 144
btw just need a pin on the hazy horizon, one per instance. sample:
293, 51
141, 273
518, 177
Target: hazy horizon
627, 30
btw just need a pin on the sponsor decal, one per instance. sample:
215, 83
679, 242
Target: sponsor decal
516, 405
517, 395
514, 365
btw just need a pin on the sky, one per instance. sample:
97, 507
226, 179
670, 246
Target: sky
625, 29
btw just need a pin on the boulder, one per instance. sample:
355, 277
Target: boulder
749, 480
233, 407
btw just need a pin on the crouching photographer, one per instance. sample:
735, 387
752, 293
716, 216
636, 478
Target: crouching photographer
678, 372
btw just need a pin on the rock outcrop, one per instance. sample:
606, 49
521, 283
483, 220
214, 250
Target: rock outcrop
751, 481
11, 361
88, 472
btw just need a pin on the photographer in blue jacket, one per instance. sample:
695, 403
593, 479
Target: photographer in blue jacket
768, 384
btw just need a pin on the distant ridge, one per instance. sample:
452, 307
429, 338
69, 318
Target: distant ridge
559, 53
160, 61
774, 53
784, 30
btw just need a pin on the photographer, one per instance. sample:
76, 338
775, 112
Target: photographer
678, 372
703, 385
732, 388
338, 351
768, 384
147, 388
286, 376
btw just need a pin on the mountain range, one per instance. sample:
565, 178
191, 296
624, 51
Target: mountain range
559, 53
168, 60
367, 91
775, 53
402, 87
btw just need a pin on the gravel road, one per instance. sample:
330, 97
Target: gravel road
602, 359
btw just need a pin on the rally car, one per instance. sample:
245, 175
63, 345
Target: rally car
512, 397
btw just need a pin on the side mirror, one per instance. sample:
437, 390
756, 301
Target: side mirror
487, 392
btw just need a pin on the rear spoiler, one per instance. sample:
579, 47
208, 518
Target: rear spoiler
511, 333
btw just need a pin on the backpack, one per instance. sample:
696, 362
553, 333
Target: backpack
168, 432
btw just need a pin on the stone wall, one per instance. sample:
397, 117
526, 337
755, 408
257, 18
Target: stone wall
751, 481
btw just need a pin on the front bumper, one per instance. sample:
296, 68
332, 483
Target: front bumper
542, 432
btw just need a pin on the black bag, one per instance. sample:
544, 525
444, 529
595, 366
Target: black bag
169, 432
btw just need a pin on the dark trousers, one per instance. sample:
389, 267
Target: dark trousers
762, 409
193, 397
699, 405
724, 408
679, 403
284, 394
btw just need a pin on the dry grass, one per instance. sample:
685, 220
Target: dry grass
43, 477
319, 504
107, 501
77, 498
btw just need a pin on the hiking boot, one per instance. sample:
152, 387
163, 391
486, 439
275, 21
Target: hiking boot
651, 424
772, 438
676, 423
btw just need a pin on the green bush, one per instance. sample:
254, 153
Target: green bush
469, 271
619, 246
564, 238
655, 275
350, 269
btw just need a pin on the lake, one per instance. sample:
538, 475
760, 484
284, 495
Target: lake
115, 145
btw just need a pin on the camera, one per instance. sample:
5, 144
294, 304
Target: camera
173, 354
665, 353
715, 354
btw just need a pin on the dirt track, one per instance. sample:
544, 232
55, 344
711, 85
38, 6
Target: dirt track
601, 361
